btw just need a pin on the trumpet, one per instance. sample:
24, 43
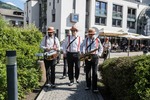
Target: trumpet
87, 56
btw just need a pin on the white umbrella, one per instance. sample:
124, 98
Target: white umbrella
111, 33
142, 37
130, 37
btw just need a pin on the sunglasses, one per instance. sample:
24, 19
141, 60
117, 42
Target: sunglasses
91, 34
50, 32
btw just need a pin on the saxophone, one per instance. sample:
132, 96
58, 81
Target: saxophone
105, 50
87, 56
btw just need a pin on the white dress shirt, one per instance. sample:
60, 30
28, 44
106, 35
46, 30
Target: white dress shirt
74, 46
49, 43
107, 45
85, 43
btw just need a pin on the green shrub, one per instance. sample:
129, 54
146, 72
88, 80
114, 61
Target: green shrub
128, 78
142, 85
118, 75
26, 43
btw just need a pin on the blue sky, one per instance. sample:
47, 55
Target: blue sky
18, 3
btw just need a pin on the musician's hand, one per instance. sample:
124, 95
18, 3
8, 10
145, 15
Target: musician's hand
48, 49
81, 54
55, 49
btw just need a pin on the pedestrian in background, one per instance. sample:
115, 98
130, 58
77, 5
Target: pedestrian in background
107, 48
65, 71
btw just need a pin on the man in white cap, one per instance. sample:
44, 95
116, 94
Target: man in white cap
93, 45
50, 43
71, 50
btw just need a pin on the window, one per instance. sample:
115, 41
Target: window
100, 20
117, 16
53, 17
100, 8
57, 1
53, 4
117, 23
117, 11
130, 24
20, 23
100, 13
131, 11
12, 22
117, 8
131, 18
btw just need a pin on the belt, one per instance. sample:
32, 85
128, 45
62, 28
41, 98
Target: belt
72, 52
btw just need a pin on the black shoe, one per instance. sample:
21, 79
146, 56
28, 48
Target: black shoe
47, 85
71, 83
95, 91
87, 88
53, 86
63, 77
77, 81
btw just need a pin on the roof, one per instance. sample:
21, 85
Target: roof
13, 13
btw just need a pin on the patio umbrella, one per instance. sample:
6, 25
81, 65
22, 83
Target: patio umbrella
129, 37
142, 37
111, 33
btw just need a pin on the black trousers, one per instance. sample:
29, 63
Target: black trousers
65, 66
50, 70
73, 59
91, 65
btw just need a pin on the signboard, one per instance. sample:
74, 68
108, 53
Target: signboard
74, 17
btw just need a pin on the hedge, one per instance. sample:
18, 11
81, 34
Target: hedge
127, 78
26, 43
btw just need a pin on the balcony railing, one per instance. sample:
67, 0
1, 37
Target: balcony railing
131, 17
102, 13
117, 15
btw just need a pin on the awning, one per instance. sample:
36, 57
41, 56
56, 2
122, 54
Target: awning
111, 33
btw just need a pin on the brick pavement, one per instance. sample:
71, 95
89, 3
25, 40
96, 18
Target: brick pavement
65, 92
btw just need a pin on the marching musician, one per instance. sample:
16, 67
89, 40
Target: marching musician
65, 71
90, 43
50, 43
107, 48
71, 50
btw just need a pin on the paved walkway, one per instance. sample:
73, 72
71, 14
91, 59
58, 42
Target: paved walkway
75, 92
65, 92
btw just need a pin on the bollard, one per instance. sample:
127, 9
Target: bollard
11, 65
42, 68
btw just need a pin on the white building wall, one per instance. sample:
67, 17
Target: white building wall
25, 14
65, 7
63, 10
57, 22
35, 12
125, 5
31, 13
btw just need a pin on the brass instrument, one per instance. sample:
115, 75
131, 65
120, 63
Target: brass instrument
105, 50
87, 56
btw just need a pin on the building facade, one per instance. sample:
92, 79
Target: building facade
111, 15
13, 17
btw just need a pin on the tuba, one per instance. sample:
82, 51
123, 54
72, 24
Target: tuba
87, 56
